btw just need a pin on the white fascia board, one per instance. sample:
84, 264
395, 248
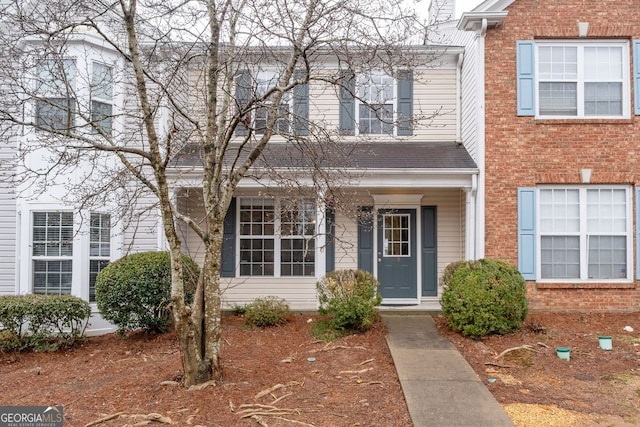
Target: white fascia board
472, 21
370, 178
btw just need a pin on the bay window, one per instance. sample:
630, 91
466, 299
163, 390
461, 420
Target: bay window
56, 104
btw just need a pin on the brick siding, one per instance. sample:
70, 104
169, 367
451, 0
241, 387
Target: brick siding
524, 152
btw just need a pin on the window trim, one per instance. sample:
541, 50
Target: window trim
95, 97
46, 258
393, 101
580, 79
277, 237
100, 258
584, 265
56, 95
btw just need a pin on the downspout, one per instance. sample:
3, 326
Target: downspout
459, 99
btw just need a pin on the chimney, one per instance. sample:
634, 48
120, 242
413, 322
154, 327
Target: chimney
442, 11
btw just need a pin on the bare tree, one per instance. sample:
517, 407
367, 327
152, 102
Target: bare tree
191, 90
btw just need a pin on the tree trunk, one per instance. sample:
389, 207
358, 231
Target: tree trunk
199, 327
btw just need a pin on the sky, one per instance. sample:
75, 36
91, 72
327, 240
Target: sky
465, 6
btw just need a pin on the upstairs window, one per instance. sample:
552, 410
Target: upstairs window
56, 104
254, 103
266, 81
102, 97
574, 79
375, 104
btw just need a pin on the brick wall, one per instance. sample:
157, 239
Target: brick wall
524, 152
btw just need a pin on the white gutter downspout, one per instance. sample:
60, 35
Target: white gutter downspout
480, 119
459, 98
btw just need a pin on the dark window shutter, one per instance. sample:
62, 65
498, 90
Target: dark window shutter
405, 102
228, 267
365, 239
243, 94
301, 106
330, 248
347, 104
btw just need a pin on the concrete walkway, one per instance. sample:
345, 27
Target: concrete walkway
440, 387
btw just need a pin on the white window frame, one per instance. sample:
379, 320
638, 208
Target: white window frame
265, 80
103, 246
98, 86
56, 95
385, 249
50, 258
580, 78
277, 237
583, 234
365, 80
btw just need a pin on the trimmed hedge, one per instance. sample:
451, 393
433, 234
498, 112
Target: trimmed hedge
135, 291
350, 298
42, 322
483, 297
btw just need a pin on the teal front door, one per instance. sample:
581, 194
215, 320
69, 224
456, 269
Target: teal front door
397, 256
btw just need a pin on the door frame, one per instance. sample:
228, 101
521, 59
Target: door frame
399, 201
384, 262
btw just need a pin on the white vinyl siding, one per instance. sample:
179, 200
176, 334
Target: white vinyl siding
8, 222
434, 104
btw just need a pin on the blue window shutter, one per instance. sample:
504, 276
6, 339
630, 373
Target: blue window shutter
365, 239
228, 267
330, 248
405, 102
301, 106
527, 232
347, 104
638, 233
526, 91
243, 93
636, 75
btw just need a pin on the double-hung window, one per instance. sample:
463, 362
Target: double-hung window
56, 104
99, 248
266, 81
574, 79
277, 237
584, 233
52, 252
375, 103
102, 97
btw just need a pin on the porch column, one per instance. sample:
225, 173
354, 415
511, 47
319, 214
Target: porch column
321, 236
470, 219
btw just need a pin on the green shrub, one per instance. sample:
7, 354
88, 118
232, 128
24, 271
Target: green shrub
42, 322
349, 297
483, 297
135, 291
265, 312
